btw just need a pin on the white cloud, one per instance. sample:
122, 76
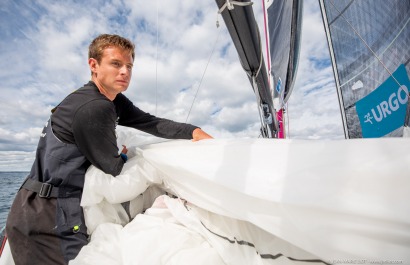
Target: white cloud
21, 141
16, 160
44, 57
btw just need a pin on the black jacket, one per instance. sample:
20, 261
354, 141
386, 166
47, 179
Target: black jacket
88, 119
51, 230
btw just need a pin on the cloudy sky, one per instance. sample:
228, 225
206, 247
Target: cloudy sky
43, 57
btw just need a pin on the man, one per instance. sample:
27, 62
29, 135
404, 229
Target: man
46, 224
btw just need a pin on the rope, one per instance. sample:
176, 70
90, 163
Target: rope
254, 82
261, 53
287, 122
261, 116
156, 65
203, 74
231, 5
365, 43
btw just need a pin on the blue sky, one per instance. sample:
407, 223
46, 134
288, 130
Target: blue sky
43, 57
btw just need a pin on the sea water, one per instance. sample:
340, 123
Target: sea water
10, 182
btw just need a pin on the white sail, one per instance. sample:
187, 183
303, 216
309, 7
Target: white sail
317, 201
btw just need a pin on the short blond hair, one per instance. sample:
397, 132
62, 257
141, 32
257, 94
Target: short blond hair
103, 41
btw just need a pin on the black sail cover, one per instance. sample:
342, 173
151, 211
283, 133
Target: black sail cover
369, 43
284, 19
241, 24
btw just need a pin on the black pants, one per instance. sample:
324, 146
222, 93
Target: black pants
39, 233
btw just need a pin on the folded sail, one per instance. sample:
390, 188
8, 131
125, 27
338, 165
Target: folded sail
321, 203
284, 18
370, 51
240, 22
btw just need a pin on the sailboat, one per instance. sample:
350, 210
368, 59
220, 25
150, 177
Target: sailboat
272, 201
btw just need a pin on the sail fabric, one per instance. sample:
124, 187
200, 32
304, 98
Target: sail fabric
283, 32
173, 231
310, 200
369, 46
6, 257
240, 21
284, 19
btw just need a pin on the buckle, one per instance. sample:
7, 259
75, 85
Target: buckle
45, 190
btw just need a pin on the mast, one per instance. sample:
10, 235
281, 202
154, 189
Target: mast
272, 85
240, 22
283, 23
334, 66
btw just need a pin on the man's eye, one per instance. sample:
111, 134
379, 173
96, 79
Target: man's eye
116, 64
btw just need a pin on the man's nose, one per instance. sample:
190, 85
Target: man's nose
125, 70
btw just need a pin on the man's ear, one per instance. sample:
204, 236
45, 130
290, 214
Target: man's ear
92, 63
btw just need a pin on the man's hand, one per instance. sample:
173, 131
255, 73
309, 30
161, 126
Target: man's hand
124, 150
198, 134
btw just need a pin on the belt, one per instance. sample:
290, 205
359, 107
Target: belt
47, 190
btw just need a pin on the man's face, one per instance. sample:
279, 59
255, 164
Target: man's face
113, 73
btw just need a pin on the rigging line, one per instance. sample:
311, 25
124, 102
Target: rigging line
398, 34
265, 23
203, 74
156, 64
254, 85
256, 91
259, 106
365, 43
230, 5
287, 120
260, 48
344, 10
261, 53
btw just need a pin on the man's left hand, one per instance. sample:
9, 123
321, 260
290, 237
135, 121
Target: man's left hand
198, 134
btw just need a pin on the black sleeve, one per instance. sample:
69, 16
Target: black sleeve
94, 133
131, 116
